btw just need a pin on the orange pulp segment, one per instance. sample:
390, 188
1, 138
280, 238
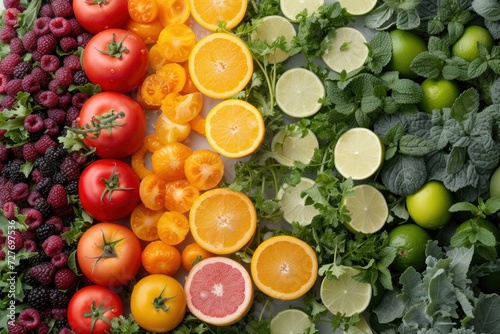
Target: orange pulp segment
181, 108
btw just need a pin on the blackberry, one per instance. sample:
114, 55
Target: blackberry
43, 187
22, 69
12, 171
39, 298
34, 136
30, 280
55, 153
46, 165
40, 257
80, 78
45, 231
59, 178
72, 187
44, 207
61, 323
67, 220
58, 299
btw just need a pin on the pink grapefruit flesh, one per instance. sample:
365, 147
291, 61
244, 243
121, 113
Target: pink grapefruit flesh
219, 291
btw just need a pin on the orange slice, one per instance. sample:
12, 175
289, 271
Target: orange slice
222, 220
209, 14
220, 65
284, 267
234, 128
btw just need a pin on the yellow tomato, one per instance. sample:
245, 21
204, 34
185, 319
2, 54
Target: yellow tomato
158, 303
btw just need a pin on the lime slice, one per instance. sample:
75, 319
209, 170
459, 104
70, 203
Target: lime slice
294, 206
269, 29
358, 154
290, 8
345, 295
358, 7
290, 321
368, 209
361, 327
347, 50
298, 92
290, 147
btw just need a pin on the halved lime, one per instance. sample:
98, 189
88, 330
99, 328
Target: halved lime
294, 206
358, 7
358, 153
290, 321
368, 209
291, 8
289, 147
347, 50
269, 29
345, 295
298, 92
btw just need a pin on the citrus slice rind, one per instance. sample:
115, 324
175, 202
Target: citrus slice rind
290, 148
269, 29
368, 209
347, 50
358, 7
209, 14
291, 8
219, 291
299, 92
293, 205
345, 295
358, 154
290, 321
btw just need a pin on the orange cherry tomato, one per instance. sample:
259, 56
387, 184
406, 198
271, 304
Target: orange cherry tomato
159, 257
192, 254
147, 31
152, 192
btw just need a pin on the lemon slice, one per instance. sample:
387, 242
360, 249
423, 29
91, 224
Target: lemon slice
345, 295
294, 206
358, 7
358, 153
368, 209
298, 92
291, 147
291, 8
347, 50
269, 29
290, 321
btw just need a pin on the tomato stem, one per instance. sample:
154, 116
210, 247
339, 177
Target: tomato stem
108, 249
115, 49
159, 302
97, 313
112, 184
97, 2
106, 121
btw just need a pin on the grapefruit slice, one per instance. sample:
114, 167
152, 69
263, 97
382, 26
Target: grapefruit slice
219, 291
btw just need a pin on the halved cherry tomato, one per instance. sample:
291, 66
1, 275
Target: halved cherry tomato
181, 108
168, 161
148, 32
177, 40
143, 222
173, 227
143, 11
152, 192
204, 169
173, 11
175, 75
171, 132
180, 195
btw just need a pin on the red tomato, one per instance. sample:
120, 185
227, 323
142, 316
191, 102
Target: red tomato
113, 123
108, 189
109, 254
92, 308
98, 15
116, 60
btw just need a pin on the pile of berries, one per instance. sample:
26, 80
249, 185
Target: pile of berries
38, 176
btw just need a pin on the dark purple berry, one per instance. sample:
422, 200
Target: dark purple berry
22, 69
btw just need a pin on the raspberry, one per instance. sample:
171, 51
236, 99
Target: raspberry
29, 234
46, 44
29, 40
56, 222
30, 245
30, 84
15, 328
64, 101
33, 218
64, 76
51, 127
76, 27
43, 77
41, 26
72, 62
29, 318
65, 330
56, 114
57, 196
60, 260
17, 239
78, 157
4, 153
43, 272
80, 78
46, 10
33, 123
83, 39
29, 152
12, 4
14, 86
16, 46
20, 191
10, 16
65, 212
54, 87
8, 101
7, 33
62, 8
22, 69
60, 27
68, 43
4, 79
79, 99
49, 63
44, 143
48, 99
8, 64
53, 245
70, 169
43, 328
64, 279
72, 114
9, 210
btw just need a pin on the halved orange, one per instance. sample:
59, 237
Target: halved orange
220, 65
143, 222
204, 169
284, 267
222, 220
234, 128
209, 13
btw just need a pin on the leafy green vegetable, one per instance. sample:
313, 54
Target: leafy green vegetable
27, 18
12, 120
401, 13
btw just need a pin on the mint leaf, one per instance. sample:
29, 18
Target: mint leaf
427, 65
403, 175
27, 18
489, 9
415, 146
380, 52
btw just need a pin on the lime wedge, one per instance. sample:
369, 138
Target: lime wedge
358, 7
290, 8
361, 327
368, 209
345, 295
358, 153
269, 29
294, 206
347, 50
298, 92
290, 321
289, 147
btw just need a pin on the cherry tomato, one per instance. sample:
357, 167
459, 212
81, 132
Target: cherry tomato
113, 123
192, 254
148, 32
92, 308
116, 60
158, 303
159, 257
109, 254
98, 15
108, 189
